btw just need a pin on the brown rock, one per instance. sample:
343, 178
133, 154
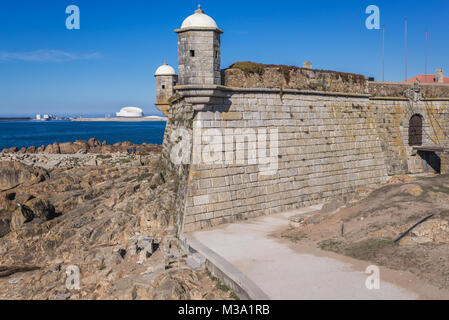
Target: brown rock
10, 150
81, 146
6, 202
105, 149
435, 231
67, 148
52, 149
31, 149
5, 221
94, 143
13, 174
21, 215
414, 190
156, 180
42, 209
332, 206
41, 149
22, 197
401, 179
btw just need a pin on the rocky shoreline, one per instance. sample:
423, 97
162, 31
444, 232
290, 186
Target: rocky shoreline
93, 146
99, 210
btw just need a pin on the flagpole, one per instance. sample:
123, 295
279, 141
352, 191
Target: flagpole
383, 53
427, 36
405, 49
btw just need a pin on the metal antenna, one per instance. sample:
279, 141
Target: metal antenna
427, 37
405, 49
383, 53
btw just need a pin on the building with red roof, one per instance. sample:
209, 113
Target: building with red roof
438, 77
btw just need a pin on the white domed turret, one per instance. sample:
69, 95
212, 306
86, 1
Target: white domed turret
166, 79
199, 50
199, 19
165, 70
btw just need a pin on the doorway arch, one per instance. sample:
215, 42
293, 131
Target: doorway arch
415, 130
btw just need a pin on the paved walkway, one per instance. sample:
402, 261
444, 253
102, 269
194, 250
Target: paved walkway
284, 273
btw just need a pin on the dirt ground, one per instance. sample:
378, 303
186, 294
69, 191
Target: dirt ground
366, 228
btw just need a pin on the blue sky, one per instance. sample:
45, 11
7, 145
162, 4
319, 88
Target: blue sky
109, 63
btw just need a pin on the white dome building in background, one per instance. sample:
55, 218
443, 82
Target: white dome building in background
130, 112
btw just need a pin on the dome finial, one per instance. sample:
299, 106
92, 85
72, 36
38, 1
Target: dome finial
199, 9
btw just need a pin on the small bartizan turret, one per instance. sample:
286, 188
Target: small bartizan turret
166, 80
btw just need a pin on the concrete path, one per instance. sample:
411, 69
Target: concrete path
284, 273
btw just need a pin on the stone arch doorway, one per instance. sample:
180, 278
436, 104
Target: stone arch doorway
415, 130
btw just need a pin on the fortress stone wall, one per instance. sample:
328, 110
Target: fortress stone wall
276, 138
329, 144
257, 75
392, 120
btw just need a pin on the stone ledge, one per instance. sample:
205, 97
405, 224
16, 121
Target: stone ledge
389, 98
199, 88
198, 29
245, 288
411, 84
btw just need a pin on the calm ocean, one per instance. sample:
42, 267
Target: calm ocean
29, 133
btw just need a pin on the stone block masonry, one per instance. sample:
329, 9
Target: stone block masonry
329, 144
325, 150
199, 57
392, 117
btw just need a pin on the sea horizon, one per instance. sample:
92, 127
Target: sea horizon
69, 115
37, 133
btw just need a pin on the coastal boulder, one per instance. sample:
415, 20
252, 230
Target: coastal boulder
67, 148
107, 149
42, 209
10, 150
93, 143
41, 149
20, 216
5, 221
31, 149
127, 144
13, 174
52, 149
6, 201
81, 145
